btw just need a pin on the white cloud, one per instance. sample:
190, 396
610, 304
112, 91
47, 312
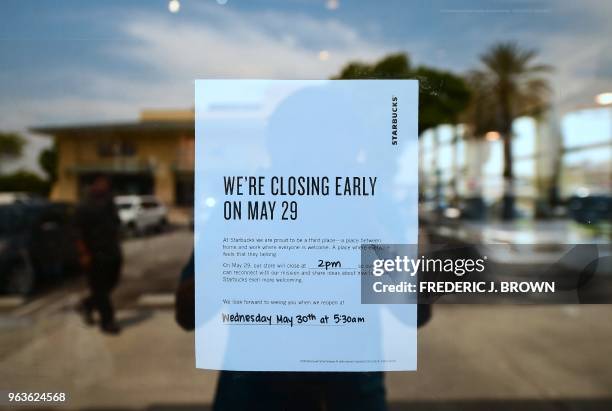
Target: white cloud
578, 51
217, 43
253, 45
577, 77
162, 54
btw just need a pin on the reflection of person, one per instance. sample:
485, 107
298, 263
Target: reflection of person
98, 224
272, 391
372, 218
185, 297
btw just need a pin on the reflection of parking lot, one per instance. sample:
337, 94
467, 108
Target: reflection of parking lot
470, 357
37, 245
519, 244
40, 240
475, 358
577, 260
151, 267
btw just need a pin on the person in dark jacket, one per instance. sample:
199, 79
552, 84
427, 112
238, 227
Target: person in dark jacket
99, 227
296, 391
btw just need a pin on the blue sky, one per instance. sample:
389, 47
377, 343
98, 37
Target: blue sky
85, 61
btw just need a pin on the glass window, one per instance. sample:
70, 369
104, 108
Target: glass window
116, 148
587, 170
493, 165
585, 127
445, 133
445, 156
524, 142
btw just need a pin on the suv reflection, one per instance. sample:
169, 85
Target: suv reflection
37, 245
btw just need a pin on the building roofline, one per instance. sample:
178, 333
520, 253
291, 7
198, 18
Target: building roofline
125, 127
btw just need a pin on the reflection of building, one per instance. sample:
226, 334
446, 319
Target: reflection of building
152, 156
572, 155
587, 154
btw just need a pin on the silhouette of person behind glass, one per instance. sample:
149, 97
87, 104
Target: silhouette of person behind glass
296, 391
99, 227
256, 390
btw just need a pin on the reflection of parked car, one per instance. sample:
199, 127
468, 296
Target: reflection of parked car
519, 246
37, 245
140, 214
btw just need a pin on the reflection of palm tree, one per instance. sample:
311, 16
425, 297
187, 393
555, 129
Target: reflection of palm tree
479, 115
479, 119
516, 89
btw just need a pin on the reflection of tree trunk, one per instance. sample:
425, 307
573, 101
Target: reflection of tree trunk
553, 191
436, 168
474, 207
508, 197
454, 169
550, 195
548, 164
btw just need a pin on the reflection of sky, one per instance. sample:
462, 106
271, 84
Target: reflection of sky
587, 127
445, 134
524, 142
84, 61
524, 167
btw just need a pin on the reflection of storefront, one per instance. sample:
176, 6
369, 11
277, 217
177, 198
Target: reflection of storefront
123, 183
150, 156
561, 157
587, 154
184, 187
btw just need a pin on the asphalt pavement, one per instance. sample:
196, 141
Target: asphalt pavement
476, 357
